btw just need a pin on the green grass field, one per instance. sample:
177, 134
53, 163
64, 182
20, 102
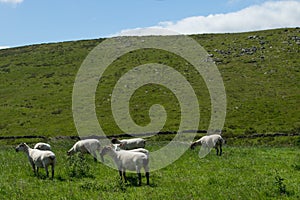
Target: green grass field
248, 172
261, 75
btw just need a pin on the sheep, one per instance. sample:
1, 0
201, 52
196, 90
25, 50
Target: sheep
210, 141
142, 150
86, 146
42, 146
38, 158
128, 144
130, 160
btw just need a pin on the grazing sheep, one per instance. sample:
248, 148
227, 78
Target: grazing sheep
42, 146
91, 146
128, 144
210, 141
38, 158
130, 160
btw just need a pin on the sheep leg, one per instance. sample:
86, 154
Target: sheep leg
220, 149
95, 156
147, 177
217, 150
33, 167
120, 173
46, 169
147, 171
52, 171
36, 171
124, 175
138, 171
139, 179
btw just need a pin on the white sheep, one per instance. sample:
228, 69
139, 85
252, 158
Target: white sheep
142, 150
42, 146
128, 144
38, 158
210, 141
91, 146
130, 160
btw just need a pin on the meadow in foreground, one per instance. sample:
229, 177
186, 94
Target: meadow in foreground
240, 173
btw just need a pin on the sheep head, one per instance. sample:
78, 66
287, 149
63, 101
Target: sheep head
106, 150
22, 147
70, 152
193, 145
115, 141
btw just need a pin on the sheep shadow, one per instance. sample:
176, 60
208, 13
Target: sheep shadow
41, 176
132, 181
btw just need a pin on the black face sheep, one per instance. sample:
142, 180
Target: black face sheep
210, 141
128, 144
130, 160
42, 146
38, 158
91, 146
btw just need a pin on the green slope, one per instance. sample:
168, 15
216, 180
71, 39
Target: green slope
260, 71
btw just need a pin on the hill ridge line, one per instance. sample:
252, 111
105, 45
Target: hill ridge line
257, 135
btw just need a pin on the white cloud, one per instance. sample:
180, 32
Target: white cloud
4, 47
154, 30
272, 14
11, 1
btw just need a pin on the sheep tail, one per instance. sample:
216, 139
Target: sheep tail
52, 157
222, 141
146, 162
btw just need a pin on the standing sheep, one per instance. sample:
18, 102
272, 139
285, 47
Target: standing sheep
130, 160
210, 141
116, 147
128, 144
91, 146
38, 158
141, 150
42, 146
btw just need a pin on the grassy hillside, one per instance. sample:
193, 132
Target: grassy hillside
260, 71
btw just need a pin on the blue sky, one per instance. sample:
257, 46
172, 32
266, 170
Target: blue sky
25, 22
